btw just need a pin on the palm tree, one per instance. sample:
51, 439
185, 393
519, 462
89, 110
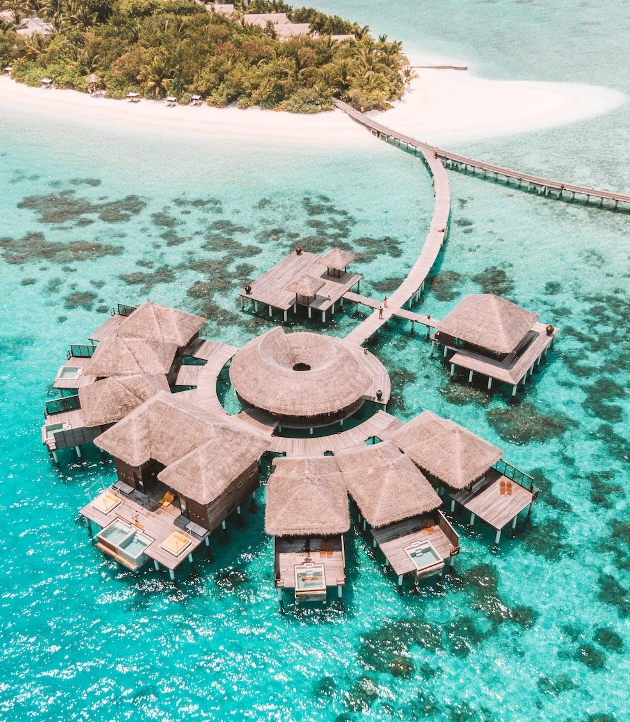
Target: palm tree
408, 74
18, 8
157, 76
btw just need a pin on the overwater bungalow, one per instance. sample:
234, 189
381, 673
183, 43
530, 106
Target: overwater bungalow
401, 508
493, 337
180, 474
284, 287
305, 380
307, 514
469, 468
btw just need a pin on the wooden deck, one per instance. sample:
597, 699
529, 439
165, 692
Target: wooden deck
81, 381
394, 538
150, 518
337, 443
106, 329
289, 554
493, 507
546, 186
512, 370
271, 288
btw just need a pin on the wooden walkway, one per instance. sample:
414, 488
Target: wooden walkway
525, 181
379, 424
410, 289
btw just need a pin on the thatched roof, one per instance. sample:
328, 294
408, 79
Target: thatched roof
306, 285
336, 258
153, 322
116, 356
206, 472
488, 321
92, 78
386, 485
445, 450
161, 428
111, 399
263, 374
306, 497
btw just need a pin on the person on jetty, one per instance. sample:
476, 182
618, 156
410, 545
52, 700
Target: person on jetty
380, 312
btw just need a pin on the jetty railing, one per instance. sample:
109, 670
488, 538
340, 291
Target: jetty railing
80, 350
65, 403
516, 475
455, 161
122, 309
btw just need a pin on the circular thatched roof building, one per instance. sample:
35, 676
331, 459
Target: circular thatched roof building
304, 379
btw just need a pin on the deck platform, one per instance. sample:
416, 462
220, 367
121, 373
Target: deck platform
109, 327
81, 381
291, 553
393, 540
379, 424
493, 507
144, 512
270, 288
512, 370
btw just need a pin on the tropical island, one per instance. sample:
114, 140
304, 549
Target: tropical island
226, 54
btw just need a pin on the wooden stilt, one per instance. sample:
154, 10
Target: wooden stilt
339, 591
489, 382
470, 376
156, 564
452, 505
452, 369
472, 520
223, 524
207, 541
171, 574
190, 558
285, 316
497, 538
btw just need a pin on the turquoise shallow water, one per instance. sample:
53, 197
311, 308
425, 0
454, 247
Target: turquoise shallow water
538, 631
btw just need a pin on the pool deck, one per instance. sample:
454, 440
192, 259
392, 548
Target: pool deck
493, 507
394, 538
144, 512
78, 383
289, 554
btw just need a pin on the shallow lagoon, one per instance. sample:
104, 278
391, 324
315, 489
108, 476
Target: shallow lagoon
539, 631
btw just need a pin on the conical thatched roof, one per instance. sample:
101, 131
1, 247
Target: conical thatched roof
386, 485
488, 321
116, 356
306, 497
161, 429
306, 285
445, 450
153, 322
92, 78
111, 399
336, 258
206, 472
263, 374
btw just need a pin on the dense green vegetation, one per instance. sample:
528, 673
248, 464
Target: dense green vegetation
176, 47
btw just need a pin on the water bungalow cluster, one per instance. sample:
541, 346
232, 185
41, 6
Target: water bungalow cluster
144, 391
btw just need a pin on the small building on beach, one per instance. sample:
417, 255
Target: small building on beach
401, 508
493, 337
468, 467
307, 514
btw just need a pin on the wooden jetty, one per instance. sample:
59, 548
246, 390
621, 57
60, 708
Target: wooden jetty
525, 181
271, 289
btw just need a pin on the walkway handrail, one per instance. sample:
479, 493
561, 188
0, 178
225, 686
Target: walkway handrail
487, 167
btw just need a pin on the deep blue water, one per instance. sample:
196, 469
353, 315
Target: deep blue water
537, 631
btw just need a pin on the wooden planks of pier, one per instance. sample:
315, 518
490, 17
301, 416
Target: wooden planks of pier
291, 553
379, 424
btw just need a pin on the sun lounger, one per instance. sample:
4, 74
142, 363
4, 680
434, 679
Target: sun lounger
167, 499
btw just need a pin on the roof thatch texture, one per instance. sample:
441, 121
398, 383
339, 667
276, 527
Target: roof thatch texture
153, 322
111, 399
116, 356
489, 322
336, 258
447, 451
306, 285
161, 429
206, 472
306, 497
92, 78
263, 375
386, 485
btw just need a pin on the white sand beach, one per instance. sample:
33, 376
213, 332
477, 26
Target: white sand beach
442, 107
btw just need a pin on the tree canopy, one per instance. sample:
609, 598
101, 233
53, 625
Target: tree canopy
177, 47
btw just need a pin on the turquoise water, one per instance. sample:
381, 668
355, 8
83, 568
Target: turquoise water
537, 631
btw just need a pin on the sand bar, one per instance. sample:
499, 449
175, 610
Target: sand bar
444, 107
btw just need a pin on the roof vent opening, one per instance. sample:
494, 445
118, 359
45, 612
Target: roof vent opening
301, 367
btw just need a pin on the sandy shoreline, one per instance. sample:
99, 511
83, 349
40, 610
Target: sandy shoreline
444, 107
